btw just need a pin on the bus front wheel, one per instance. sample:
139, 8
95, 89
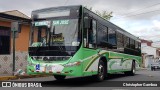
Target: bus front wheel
101, 71
59, 77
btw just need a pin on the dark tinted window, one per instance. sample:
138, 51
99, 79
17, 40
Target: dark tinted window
102, 37
132, 44
119, 40
4, 40
136, 45
126, 42
111, 36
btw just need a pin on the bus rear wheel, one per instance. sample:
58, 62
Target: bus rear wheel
59, 77
133, 70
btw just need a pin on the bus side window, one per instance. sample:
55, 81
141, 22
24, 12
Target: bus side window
112, 37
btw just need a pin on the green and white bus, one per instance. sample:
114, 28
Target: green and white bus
74, 41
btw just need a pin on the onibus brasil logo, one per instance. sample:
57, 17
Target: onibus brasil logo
21, 84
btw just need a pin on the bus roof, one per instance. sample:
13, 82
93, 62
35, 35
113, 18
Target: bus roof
53, 8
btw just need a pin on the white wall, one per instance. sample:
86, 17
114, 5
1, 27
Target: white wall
148, 61
148, 50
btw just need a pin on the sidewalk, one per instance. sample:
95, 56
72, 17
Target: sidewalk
144, 68
4, 77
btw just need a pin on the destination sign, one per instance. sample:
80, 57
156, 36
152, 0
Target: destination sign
60, 22
42, 23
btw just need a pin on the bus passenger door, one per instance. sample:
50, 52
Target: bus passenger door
90, 34
89, 39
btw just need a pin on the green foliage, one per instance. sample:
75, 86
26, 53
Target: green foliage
104, 14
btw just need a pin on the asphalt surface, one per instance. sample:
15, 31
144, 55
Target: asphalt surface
88, 83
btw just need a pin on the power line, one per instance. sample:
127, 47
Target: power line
142, 8
138, 14
130, 14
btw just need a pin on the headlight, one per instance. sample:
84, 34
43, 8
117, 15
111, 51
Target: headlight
73, 64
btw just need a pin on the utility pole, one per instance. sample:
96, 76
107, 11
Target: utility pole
14, 29
13, 33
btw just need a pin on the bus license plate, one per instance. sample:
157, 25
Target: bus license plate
48, 68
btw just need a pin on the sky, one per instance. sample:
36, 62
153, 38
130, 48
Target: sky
139, 17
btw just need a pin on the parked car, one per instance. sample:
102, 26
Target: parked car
155, 65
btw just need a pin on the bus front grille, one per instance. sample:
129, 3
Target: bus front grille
50, 58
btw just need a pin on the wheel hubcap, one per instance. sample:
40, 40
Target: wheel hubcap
101, 71
134, 69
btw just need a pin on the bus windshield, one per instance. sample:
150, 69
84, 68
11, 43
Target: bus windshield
61, 32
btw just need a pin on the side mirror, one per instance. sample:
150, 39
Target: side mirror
87, 22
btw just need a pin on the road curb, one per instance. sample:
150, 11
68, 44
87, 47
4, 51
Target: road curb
3, 78
143, 68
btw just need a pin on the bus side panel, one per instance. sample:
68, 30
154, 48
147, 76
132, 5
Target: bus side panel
119, 62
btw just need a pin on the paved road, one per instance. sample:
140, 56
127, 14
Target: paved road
80, 83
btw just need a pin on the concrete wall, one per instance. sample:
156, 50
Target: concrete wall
6, 63
149, 61
149, 54
148, 50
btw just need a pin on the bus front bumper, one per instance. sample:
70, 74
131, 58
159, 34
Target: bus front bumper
71, 69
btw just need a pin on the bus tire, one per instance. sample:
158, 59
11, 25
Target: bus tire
133, 70
101, 71
59, 77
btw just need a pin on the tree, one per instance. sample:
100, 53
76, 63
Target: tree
104, 14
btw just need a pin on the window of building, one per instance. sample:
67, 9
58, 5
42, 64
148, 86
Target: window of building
4, 40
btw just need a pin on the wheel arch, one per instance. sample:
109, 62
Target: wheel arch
104, 59
134, 61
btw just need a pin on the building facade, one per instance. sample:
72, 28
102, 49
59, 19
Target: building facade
22, 38
149, 53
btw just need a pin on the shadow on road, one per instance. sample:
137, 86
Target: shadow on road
81, 81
